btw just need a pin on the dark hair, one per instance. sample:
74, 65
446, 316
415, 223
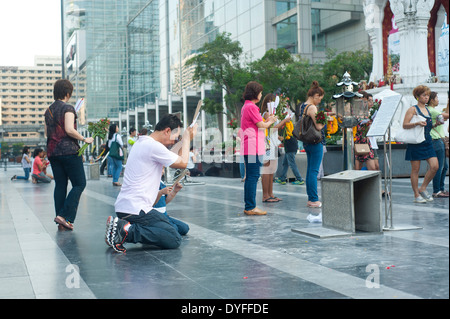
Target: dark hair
25, 150
168, 121
112, 131
132, 130
61, 88
268, 98
366, 95
37, 151
315, 89
252, 90
433, 95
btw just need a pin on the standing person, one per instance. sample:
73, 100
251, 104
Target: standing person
62, 149
290, 148
314, 152
437, 133
131, 139
423, 151
116, 163
270, 158
252, 144
39, 167
137, 221
26, 164
372, 139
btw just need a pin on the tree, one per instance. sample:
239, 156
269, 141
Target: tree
270, 70
219, 62
357, 63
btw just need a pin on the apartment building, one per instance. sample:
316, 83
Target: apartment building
25, 94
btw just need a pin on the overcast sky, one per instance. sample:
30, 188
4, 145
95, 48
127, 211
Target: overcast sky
29, 28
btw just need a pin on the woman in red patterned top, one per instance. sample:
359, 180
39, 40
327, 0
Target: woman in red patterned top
62, 148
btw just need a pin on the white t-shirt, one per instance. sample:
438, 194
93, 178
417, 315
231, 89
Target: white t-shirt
142, 176
191, 163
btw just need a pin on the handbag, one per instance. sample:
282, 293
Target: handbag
115, 151
305, 130
362, 149
415, 135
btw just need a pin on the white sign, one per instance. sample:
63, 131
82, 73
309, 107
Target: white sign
385, 115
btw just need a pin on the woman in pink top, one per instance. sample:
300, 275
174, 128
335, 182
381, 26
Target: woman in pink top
252, 144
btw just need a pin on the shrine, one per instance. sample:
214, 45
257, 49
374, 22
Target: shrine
409, 40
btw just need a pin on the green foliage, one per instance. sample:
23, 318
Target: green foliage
221, 62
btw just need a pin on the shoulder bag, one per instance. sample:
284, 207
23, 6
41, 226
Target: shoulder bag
305, 130
115, 150
415, 135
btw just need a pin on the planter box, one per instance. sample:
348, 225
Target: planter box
332, 164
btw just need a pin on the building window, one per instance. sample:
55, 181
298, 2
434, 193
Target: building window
285, 5
287, 34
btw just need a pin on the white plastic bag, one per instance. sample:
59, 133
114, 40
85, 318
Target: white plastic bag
314, 218
415, 135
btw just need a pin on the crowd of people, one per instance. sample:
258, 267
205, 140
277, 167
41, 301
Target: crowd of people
141, 214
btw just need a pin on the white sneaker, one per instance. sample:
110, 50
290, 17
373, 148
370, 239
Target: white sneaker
419, 199
426, 196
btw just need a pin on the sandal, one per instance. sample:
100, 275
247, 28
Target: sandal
440, 194
277, 199
63, 222
270, 200
117, 184
14, 178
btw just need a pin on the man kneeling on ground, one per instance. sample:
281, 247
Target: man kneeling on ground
137, 221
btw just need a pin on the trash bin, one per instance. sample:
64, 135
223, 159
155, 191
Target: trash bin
92, 171
351, 201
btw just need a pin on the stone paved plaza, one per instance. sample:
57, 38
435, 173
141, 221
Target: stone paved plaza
226, 254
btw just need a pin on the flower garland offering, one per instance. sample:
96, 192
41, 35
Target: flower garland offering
288, 131
99, 129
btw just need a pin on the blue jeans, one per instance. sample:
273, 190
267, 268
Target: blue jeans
116, 166
27, 174
252, 168
289, 161
439, 178
65, 168
314, 154
180, 226
152, 228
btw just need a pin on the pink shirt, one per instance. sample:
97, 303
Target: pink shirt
252, 138
37, 161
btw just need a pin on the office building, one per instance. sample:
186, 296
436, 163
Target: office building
25, 94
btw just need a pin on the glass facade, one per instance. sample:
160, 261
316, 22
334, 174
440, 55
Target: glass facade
285, 5
105, 25
136, 50
318, 38
287, 34
186, 25
143, 58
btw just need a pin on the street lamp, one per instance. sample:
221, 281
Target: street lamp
350, 108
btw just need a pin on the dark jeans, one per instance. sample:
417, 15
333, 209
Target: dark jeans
180, 226
289, 161
252, 170
65, 168
152, 228
439, 178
